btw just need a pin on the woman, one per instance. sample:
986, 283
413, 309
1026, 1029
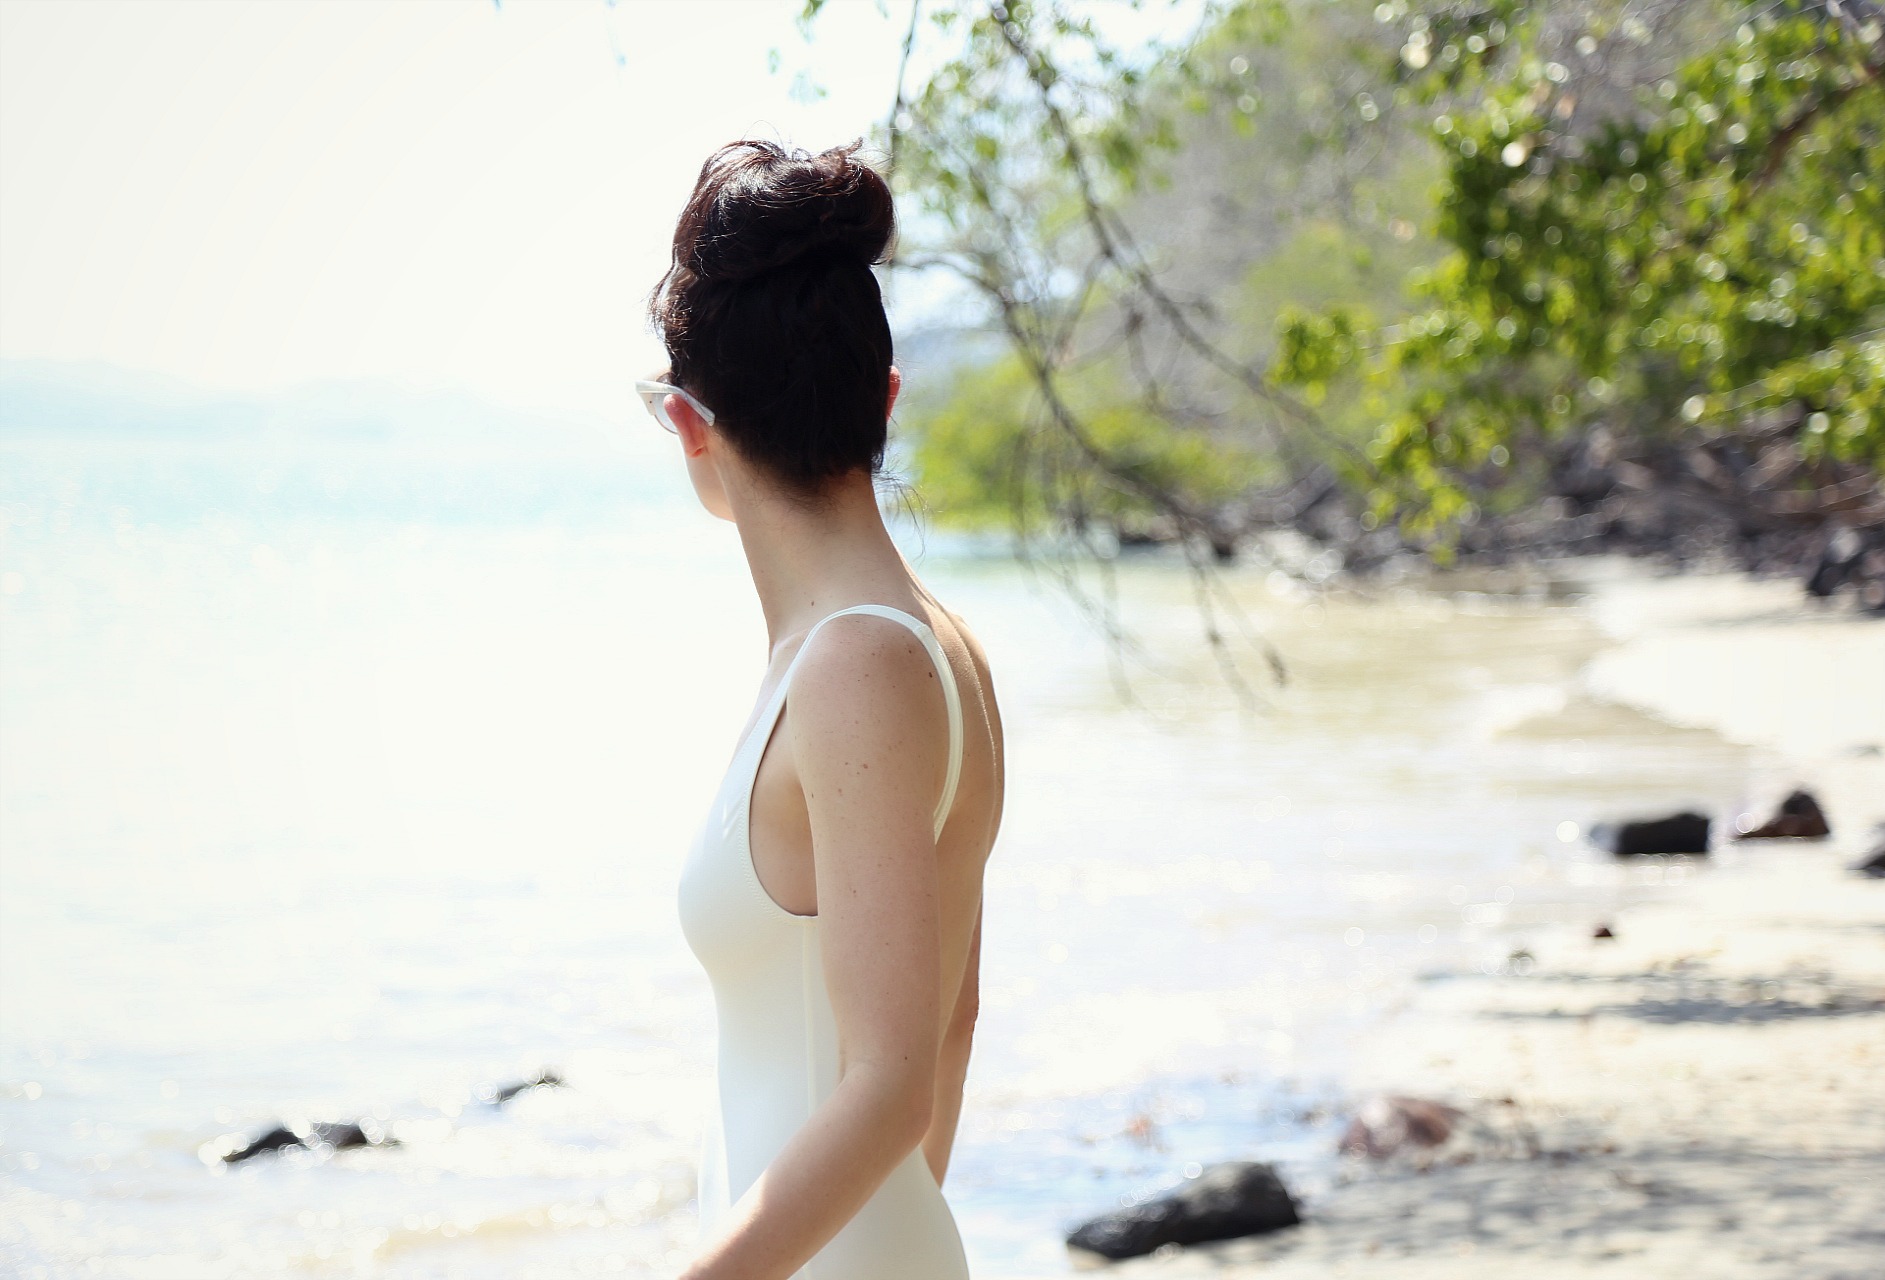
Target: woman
834, 892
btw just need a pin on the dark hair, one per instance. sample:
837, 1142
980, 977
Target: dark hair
770, 311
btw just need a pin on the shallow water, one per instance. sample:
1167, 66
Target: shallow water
338, 783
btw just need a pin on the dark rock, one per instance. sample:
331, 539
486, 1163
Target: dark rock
1873, 863
347, 1134
1386, 1124
498, 1095
1677, 833
1800, 818
1839, 562
1603, 931
1227, 1201
339, 1135
273, 1140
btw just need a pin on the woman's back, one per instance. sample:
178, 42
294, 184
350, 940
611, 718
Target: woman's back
781, 832
750, 921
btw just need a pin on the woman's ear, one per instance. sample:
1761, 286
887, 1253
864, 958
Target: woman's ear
703, 458
896, 385
687, 425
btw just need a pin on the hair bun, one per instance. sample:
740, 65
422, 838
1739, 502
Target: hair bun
771, 314
771, 208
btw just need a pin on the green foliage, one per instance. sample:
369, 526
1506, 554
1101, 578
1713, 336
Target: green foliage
1456, 229
1040, 164
1012, 158
976, 118
970, 450
1717, 253
987, 456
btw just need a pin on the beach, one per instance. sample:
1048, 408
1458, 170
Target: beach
343, 790
1704, 1093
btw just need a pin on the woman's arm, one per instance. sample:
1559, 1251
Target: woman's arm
952, 1062
869, 734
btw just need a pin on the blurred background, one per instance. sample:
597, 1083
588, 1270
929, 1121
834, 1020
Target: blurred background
1383, 448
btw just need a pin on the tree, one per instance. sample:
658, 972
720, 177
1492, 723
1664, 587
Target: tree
1644, 299
1703, 267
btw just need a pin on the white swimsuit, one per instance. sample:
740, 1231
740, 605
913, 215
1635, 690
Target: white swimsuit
778, 1041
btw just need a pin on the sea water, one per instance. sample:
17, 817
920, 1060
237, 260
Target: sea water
341, 780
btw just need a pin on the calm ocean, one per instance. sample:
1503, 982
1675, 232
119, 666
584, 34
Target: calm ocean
343, 775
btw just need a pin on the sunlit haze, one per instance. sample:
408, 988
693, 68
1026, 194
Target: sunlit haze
449, 194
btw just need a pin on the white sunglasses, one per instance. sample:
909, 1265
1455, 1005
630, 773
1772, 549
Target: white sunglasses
654, 397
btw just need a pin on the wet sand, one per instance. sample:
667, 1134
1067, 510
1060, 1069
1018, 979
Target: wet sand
1702, 1096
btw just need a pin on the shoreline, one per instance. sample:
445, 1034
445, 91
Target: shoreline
1758, 663
1704, 1094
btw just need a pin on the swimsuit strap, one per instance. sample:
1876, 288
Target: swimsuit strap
952, 696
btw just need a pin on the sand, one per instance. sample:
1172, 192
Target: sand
1702, 1096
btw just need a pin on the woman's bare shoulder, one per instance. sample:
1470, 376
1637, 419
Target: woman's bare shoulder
977, 654
955, 625
864, 644
857, 689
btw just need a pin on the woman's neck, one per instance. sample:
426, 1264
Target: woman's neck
807, 564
